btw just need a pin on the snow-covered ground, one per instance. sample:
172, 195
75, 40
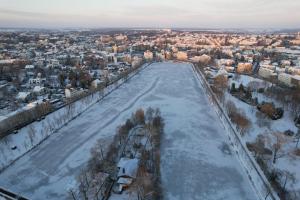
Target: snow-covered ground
196, 159
32, 135
267, 126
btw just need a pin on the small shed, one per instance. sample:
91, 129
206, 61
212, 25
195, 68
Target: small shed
128, 167
127, 172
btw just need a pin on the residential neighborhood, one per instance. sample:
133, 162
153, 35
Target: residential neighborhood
50, 78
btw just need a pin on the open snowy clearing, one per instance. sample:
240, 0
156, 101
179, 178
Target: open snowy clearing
196, 160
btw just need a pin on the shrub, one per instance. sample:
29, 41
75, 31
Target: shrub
297, 152
140, 116
238, 118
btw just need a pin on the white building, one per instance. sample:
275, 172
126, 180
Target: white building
38, 90
96, 83
36, 81
121, 37
70, 92
24, 96
148, 55
29, 67
226, 62
265, 72
136, 61
182, 55
160, 56
285, 79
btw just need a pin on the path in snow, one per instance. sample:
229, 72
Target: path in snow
196, 161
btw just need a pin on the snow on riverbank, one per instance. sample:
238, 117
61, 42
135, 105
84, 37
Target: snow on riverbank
266, 126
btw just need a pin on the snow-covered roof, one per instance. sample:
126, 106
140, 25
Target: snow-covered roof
97, 81
125, 181
29, 67
128, 167
296, 77
22, 95
38, 88
222, 71
8, 61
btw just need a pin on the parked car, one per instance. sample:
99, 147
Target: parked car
13, 147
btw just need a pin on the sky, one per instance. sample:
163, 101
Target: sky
259, 14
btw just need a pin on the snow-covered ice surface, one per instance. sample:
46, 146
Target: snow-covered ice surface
196, 160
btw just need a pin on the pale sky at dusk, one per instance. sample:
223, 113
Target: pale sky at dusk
150, 13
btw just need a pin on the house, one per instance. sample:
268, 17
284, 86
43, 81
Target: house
204, 59
71, 92
38, 90
222, 72
54, 81
24, 96
36, 81
181, 55
266, 72
148, 55
160, 56
29, 67
226, 62
285, 79
136, 61
127, 172
244, 68
96, 83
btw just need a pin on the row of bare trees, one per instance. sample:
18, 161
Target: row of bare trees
24, 118
239, 118
150, 186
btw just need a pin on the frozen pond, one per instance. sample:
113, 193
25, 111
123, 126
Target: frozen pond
196, 161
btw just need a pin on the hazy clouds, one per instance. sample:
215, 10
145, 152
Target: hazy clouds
151, 13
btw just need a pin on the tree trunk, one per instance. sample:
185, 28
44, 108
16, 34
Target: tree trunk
275, 157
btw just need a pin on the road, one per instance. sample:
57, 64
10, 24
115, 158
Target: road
196, 161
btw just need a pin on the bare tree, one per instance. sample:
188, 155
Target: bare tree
220, 85
31, 134
277, 146
268, 192
73, 194
259, 147
239, 118
287, 177
84, 184
140, 116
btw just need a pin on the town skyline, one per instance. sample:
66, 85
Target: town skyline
216, 14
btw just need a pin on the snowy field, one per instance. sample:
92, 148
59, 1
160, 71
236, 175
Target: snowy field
196, 160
